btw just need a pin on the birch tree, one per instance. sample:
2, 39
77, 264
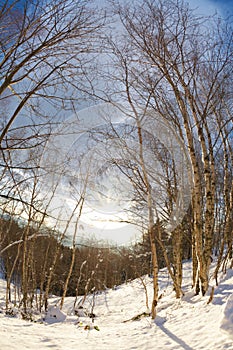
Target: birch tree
185, 67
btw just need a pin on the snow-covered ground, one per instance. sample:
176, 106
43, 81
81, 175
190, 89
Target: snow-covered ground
190, 323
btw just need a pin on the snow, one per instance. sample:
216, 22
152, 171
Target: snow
54, 314
190, 323
227, 321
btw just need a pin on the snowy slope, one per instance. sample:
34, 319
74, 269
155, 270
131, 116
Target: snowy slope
189, 324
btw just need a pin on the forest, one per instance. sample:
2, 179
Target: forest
122, 114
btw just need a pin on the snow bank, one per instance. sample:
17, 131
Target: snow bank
54, 314
227, 321
190, 323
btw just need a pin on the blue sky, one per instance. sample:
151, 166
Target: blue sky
208, 7
226, 5
223, 6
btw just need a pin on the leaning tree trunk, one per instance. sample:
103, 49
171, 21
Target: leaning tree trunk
149, 200
72, 256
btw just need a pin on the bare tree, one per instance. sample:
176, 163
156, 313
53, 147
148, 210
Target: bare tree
43, 46
80, 205
185, 69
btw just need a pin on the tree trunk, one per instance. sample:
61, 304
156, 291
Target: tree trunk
177, 237
73, 255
